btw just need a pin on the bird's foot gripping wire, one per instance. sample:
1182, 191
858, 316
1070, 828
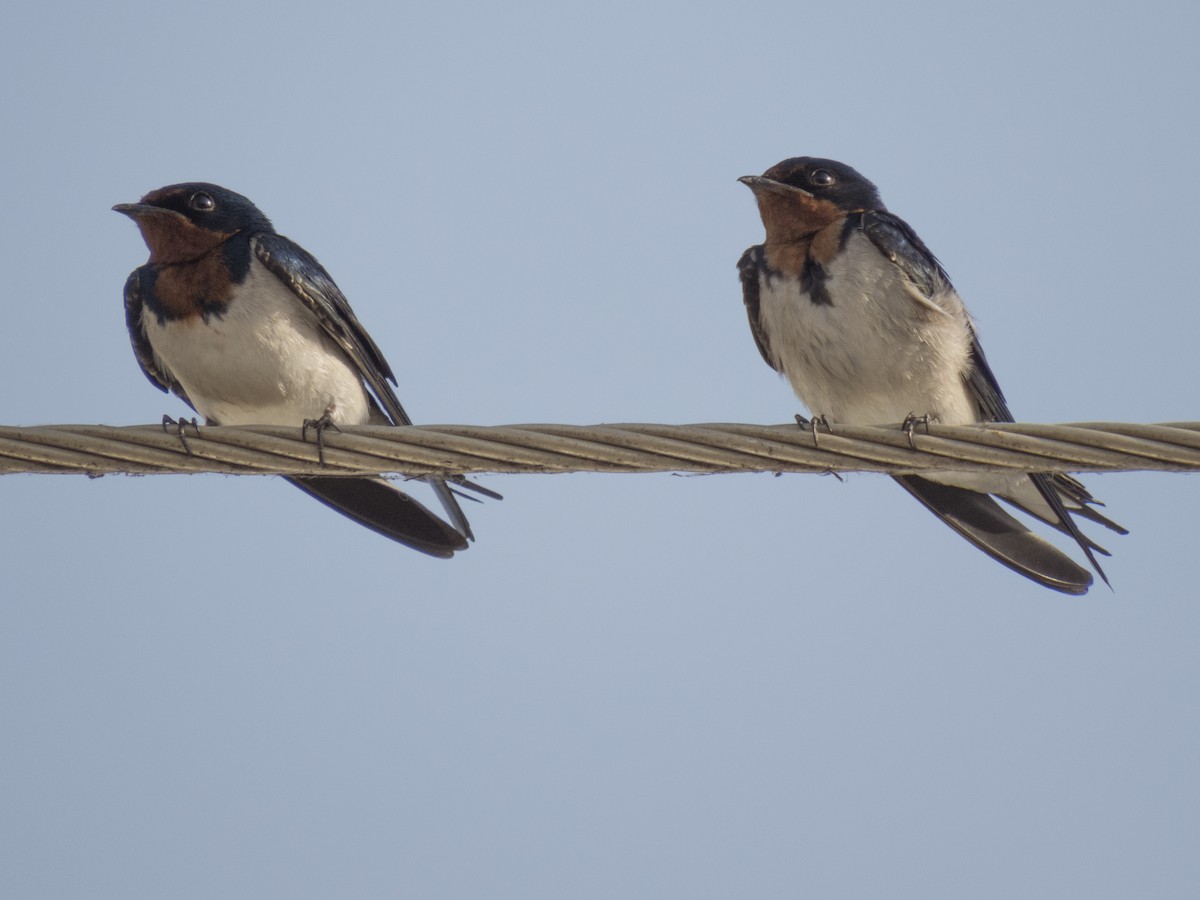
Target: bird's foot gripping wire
815, 423
177, 426
909, 425
319, 426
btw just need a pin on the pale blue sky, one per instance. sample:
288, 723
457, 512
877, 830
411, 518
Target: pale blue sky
631, 686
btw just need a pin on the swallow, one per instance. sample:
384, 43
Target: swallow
847, 303
247, 328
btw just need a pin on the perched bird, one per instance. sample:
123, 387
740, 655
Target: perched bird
247, 328
847, 302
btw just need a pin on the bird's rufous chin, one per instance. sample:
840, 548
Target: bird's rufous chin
171, 237
790, 214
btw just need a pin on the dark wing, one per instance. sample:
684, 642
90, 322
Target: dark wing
899, 243
300, 271
979, 519
142, 350
981, 382
750, 267
893, 237
379, 506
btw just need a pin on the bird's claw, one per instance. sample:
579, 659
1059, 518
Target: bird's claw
909, 425
319, 426
177, 426
815, 423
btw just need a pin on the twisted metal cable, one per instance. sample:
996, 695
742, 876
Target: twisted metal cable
469, 449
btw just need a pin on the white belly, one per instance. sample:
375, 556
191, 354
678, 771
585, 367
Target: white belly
267, 361
876, 354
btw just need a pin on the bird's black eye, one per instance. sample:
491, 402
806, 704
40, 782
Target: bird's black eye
820, 178
202, 202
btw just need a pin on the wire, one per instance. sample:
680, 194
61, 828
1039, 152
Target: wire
469, 449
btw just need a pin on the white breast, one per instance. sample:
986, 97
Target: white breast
880, 352
266, 361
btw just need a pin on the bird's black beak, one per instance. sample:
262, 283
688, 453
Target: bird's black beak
134, 210
144, 212
758, 183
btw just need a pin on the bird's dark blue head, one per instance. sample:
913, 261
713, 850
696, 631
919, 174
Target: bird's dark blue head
800, 196
182, 222
827, 179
